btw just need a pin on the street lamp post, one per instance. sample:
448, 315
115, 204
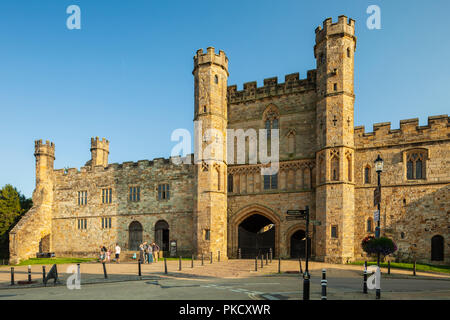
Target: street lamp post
379, 169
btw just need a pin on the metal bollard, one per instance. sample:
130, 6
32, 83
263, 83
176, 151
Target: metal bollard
306, 286
239, 254
262, 262
271, 254
218, 256
12, 276
43, 274
389, 267
79, 272
279, 265
202, 259
211, 258
256, 263
139, 264
267, 259
29, 273
414, 268
165, 266
365, 265
104, 270
192, 261
365, 281
324, 284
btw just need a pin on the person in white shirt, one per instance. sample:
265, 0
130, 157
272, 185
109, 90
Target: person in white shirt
117, 253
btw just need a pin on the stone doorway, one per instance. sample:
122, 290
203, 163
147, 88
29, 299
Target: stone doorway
135, 235
251, 242
437, 248
162, 235
298, 240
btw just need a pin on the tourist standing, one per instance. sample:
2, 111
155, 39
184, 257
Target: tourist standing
102, 254
150, 253
117, 253
108, 255
155, 249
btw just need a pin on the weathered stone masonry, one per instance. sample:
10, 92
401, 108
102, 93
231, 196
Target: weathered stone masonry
325, 163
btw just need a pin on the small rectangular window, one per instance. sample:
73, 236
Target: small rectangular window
82, 198
82, 224
207, 234
334, 231
106, 223
135, 194
335, 87
230, 183
163, 192
106, 195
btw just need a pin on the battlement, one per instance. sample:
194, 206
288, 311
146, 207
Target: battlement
341, 27
140, 164
47, 148
210, 57
437, 128
96, 143
292, 84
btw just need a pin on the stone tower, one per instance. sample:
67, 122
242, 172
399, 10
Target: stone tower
45, 157
99, 152
210, 116
334, 52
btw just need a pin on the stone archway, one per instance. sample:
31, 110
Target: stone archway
162, 235
135, 231
253, 240
243, 214
437, 248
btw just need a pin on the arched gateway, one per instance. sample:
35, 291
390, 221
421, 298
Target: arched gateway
134, 235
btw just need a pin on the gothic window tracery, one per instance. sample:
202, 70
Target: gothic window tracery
416, 164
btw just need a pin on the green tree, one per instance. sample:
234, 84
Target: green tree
12, 206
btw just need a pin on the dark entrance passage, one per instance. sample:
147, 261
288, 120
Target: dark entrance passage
298, 240
250, 242
135, 235
437, 248
162, 235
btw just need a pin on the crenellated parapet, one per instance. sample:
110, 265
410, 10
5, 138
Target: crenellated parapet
437, 128
343, 26
210, 57
271, 88
45, 149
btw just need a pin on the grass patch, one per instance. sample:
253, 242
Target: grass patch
407, 266
33, 261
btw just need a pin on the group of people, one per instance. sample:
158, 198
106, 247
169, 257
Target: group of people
148, 252
105, 253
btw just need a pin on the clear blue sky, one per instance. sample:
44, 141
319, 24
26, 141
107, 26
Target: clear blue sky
126, 75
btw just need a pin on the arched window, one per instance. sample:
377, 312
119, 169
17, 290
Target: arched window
216, 79
335, 168
367, 175
291, 141
349, 167
348, 52
416, 164
270, 117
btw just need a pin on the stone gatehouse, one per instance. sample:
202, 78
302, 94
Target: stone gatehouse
325, 163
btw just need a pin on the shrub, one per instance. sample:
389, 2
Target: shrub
382, 245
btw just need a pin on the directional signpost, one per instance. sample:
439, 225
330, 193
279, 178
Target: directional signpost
304, 214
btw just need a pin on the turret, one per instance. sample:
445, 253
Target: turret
99, 152
210, 113
334, 52
45, 157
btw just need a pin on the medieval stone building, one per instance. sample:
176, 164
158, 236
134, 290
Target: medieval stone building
325, 163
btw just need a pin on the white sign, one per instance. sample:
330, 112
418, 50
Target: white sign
376, 216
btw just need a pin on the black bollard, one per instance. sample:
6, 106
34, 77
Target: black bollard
179, 264
279, 265
365, 281
414, 268
267, 259
165, 266
389, 267
192, 261
218, 256
270, 253
43, 274
29, 273
262, 262
211, 258
12, 276
139, 264
256, 263
104, 270
365, 265
306, 286
202, 259
239, 254
324, 284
